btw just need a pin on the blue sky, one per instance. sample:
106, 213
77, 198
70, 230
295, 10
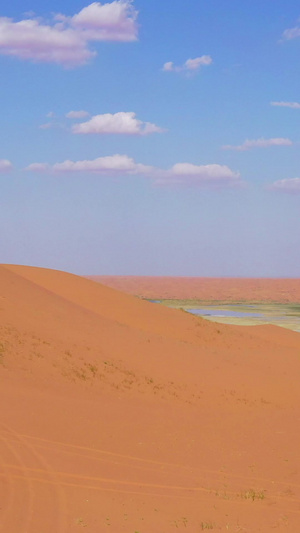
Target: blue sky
151, 138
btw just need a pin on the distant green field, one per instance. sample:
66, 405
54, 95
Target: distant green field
284, 315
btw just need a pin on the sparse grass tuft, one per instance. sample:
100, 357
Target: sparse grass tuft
2, 350
80, 373
92, 368
81, 522
177, 523
207, 525
253, 495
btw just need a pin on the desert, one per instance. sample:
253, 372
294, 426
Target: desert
120, 414
209, 289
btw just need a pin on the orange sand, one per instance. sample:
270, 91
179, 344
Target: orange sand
207, 289
125, 416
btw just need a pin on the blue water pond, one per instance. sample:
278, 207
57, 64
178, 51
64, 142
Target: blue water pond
223, 313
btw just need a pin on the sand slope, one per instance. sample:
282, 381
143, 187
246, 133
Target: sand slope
125, 416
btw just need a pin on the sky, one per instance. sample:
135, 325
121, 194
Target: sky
151, 138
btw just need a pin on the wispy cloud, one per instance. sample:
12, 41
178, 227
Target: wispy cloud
258, 143
66, 39
191, 65
51, 125
5, 165
184, 174
290, 185
293, 105
120, 123
291, 33
47, 126
77, 114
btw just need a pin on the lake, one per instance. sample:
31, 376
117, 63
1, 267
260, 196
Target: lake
223, 313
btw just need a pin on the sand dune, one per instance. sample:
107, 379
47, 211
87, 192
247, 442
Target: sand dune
123, 415
207, 289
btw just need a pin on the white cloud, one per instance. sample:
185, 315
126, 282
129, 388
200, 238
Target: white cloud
115, 165
291, 33
38, 167
109, 165
115, 21
119, 123
30, 39
189, 174
291, 185
259, 143
66, 40
77, 114
195, 64
169, 66
293, 105
184, 174
5, 165
191, 65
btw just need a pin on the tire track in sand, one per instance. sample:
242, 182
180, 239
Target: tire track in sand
27, 505
139, 462
59, 499
207, 494
9, 489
